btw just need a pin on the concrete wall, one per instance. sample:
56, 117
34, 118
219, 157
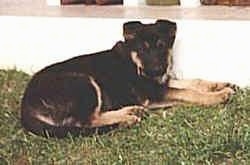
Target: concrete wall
208, 49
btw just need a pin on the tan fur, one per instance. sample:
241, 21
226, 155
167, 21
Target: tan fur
98, 93
197, 85
170, 72
137, 61
200, 92
125, 116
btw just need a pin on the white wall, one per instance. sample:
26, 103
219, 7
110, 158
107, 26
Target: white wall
30, 43
213, 50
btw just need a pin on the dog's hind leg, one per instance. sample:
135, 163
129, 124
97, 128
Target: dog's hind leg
199, 98
125, 116
199, 85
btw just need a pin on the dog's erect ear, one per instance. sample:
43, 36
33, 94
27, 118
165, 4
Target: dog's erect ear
131, 28
120, 48
166, 26
167, 29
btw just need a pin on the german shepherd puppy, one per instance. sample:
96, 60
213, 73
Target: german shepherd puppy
112, 87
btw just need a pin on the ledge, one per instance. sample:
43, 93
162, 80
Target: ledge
140, 12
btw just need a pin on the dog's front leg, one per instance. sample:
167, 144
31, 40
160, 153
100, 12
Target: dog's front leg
199, 97
199, 85
125, 116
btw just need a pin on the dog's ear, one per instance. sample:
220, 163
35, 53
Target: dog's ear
120, 48
131, 28
168, 30
165, 26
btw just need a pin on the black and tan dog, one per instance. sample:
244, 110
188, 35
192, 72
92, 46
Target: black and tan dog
114, 86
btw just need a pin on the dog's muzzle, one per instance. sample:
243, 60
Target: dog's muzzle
161, 79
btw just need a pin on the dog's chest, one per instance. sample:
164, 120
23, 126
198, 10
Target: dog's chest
117, 94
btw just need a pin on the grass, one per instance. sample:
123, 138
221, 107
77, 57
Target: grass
181, 135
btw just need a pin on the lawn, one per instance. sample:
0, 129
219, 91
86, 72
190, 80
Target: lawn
182, 135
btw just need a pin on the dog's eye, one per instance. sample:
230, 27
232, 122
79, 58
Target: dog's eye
160, 44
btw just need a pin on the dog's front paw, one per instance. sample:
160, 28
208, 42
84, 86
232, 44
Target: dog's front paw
221, 86
218, 97
132, 115
226, 93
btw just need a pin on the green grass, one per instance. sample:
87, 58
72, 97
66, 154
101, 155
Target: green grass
181, 135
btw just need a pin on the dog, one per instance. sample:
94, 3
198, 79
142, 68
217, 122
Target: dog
113, 87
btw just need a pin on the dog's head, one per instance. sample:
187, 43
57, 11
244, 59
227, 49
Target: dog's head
149, 46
